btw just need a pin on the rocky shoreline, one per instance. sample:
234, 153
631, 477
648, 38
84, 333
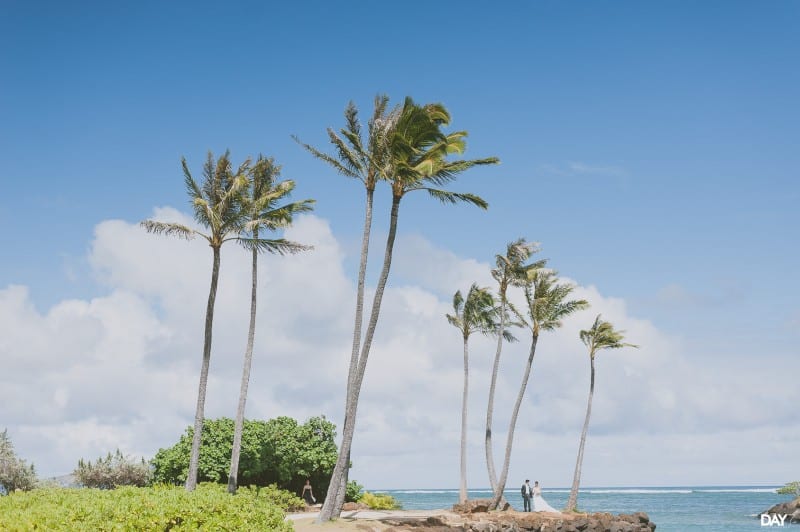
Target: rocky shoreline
789, 509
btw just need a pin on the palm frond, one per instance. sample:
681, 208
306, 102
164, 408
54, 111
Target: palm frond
169, 229
448, 197
338, 166
279, 246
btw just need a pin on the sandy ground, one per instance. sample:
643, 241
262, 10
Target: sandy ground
359, 520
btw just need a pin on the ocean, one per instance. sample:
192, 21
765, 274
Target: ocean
674, 509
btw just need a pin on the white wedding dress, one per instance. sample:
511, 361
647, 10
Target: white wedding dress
539, 504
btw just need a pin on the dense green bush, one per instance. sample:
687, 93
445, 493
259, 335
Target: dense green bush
353, 491
112, 471
15, 474
279, 451
158, 508
380, 501
792, 488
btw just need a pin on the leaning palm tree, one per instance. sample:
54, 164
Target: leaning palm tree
509, 271
548, 305
602, 335
417, 160
365, 160
476, 313
261, 205
217, 207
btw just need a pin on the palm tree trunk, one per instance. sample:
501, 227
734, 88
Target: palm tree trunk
233, 476
501, 484
572, 503
194, 459
332, 510
338, 485
492, 386
462, 493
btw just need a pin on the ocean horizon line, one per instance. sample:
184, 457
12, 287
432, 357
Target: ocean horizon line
678, 489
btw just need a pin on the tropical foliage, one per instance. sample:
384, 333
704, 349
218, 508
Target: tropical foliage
380, 501
280, 451
112, 471
791, 488
354, 491
157, 508
15, 474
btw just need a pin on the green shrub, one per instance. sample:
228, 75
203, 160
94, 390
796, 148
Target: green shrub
113, 471
353, 491
15, 474
792, 488
279, 451
380, 501
157, 508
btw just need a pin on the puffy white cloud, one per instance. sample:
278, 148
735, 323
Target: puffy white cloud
120, 370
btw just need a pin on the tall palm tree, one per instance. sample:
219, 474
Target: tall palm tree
509, 271
417, 160
261, 205
476, 313
367, 161
217, 207
547, 306
602, 335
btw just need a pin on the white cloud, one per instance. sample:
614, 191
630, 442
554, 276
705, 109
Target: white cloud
87, 376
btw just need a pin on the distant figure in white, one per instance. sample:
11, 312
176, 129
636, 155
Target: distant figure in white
539, 504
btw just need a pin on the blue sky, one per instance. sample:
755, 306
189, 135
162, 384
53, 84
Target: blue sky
650, 148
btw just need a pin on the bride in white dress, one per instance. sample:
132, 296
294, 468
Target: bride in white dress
539, 504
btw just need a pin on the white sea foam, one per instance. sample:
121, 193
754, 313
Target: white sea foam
741, 490
642, 491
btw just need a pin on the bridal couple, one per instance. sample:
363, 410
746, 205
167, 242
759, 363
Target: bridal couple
535, 492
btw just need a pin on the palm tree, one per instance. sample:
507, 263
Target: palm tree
509, 271
417, 158
476, 313
366, 162
547, 306
217, 207
260, 203
601, 336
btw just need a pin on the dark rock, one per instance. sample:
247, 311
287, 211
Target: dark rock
472, 506
790, 508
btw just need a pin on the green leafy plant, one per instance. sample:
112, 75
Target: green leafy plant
791, 488
353, 492
380, 501
15, 474
113, 471
156, 508
280, 451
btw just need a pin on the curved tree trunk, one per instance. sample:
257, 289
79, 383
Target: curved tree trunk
233, 476
501, 483
572, 503
341, 486
462, 492
490, 407
194, 459
330, 509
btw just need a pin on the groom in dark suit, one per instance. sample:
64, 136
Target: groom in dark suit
527, 493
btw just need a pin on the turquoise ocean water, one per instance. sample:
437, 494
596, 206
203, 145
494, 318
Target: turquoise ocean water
675, 509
